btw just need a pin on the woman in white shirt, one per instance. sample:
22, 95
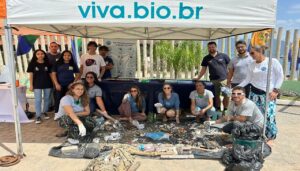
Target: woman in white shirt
75, 113
257, 80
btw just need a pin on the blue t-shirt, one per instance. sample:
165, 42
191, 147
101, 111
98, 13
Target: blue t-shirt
65, 73
133, 105
171, 103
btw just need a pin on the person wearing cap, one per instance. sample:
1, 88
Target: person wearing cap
91, 61
238, 67
103, 51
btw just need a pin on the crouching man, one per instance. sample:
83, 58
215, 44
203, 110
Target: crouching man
241, 109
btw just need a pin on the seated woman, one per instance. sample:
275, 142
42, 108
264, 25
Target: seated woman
133, 106
74, 113
170, 103
95, 95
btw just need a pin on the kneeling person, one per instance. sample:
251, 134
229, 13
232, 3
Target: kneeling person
242, 109
202, 102
170, 103
74, 113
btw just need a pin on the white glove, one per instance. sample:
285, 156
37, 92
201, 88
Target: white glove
126, 96
82, 130
210, 122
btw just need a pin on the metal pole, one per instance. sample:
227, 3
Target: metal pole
11, 66
268, 86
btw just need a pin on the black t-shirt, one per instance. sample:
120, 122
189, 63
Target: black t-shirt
41, 75
53, 58
217, 66
107, 73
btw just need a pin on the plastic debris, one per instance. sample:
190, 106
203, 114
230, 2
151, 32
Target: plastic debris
158, 136
113, 136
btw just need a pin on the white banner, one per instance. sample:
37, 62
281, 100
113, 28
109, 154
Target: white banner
145, 13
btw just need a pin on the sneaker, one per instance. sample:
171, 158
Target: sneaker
38, 120
46, 116
73, 141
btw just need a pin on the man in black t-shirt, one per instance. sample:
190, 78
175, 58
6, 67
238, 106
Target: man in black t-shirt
217, 64
53, 55
103, 51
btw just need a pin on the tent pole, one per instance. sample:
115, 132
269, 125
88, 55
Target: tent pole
268, 85
11, 66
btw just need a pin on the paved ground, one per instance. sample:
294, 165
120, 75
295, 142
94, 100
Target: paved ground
38, 139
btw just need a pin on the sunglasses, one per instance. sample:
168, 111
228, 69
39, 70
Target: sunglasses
251, 53
238, 94
165, 88
133, 90
89, 77
240, 47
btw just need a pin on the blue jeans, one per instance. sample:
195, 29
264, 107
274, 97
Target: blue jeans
38, 100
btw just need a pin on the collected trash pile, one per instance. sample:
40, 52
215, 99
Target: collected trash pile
189, 133
115, 145
246, 153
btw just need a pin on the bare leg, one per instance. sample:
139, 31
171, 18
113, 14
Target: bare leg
139, 116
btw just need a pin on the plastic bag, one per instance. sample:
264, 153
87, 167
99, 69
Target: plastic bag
157, 136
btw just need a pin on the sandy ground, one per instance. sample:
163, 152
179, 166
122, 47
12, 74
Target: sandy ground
38, 139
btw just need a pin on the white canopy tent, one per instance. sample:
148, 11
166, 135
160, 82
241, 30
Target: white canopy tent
142, 19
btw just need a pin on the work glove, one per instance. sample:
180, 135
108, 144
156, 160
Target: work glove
209, 122
82, 130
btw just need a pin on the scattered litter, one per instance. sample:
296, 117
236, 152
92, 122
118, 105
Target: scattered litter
113, 136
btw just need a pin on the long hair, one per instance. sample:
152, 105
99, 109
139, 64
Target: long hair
34, 58
62, 61
84, 97
139, 97
86, 84
164, 94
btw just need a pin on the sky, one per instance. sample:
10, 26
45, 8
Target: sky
288, 14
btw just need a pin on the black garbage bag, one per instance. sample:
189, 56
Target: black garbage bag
89, 151
246, 131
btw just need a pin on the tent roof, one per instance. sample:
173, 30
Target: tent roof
144, 19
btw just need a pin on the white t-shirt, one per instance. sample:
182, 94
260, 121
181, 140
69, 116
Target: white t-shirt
257, 75
68, 100
240, 65
91, 63
201, 101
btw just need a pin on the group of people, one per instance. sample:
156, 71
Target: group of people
77, 94
247, 75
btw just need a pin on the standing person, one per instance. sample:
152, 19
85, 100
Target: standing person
39, 71
74, 113
95, 95
238, 67
53, 55
170, 103
217, 64
133, 105
103, 51
242, 109
202, 102
63, 74
91, 62
257, 80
